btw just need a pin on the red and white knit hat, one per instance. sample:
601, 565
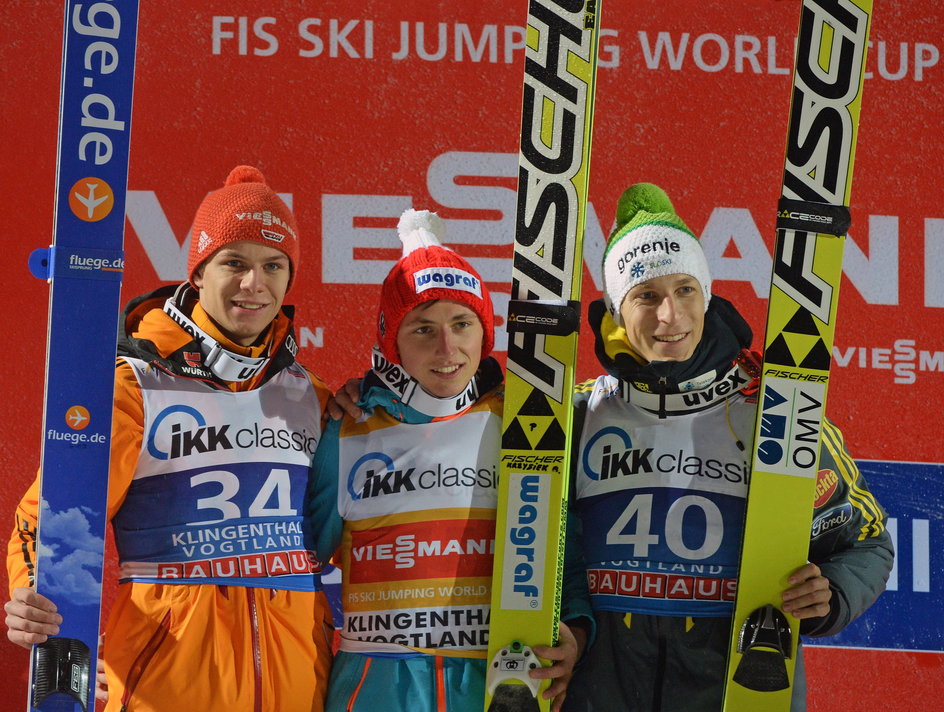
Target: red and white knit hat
245, 208
426, 272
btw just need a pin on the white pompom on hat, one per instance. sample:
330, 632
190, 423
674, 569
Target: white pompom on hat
426, 272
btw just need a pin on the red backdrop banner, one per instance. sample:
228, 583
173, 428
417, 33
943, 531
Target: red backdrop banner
358, 109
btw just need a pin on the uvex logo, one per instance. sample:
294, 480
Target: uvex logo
733, 382
395, 377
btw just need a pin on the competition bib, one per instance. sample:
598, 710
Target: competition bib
217, 495
662, 520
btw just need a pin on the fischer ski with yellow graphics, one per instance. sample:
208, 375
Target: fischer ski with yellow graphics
543, 319
812, 220
84, 267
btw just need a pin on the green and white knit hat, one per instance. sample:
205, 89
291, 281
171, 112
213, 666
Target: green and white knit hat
649, 241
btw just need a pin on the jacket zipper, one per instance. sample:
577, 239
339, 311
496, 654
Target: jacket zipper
664, 383
360, 684
256, 649
142, 660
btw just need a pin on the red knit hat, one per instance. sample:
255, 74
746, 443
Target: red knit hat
245, 208
426, 272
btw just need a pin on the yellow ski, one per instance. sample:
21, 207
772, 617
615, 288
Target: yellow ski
812, 220
543, 316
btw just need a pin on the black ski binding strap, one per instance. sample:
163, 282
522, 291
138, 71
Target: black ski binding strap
63, 666
765, 643
530, 316
813, 217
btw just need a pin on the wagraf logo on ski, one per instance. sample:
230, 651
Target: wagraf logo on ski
788, 431
97, 82
554, 112
525, 542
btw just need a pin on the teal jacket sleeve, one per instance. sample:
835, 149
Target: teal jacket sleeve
849, 541
322, 520
575, 594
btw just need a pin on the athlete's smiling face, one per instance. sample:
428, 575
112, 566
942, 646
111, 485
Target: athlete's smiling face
242, 286
440, 345
665, 317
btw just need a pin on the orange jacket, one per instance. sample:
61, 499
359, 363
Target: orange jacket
190, 646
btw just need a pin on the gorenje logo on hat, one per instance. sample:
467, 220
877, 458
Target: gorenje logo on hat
664, 245
446, 278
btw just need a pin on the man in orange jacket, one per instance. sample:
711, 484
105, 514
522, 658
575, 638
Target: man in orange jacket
219, 606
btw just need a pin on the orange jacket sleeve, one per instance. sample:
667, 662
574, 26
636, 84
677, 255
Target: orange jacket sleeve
127, 433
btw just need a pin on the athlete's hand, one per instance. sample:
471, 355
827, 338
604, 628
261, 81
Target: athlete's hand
809, 593
564, 655
345, 400
31, 618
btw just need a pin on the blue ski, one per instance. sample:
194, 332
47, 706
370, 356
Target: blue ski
84, 268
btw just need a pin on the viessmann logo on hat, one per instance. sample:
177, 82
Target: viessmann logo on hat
446, 278
267, 218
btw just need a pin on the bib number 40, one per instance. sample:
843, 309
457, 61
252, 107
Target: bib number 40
634, 527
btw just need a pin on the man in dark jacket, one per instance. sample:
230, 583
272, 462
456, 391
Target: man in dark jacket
660, 479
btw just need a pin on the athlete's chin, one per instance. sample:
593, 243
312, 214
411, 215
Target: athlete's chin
446, 386
245, 331
672, 353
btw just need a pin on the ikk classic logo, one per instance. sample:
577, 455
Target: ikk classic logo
375, 475
180, 431
615, 462
613, 449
